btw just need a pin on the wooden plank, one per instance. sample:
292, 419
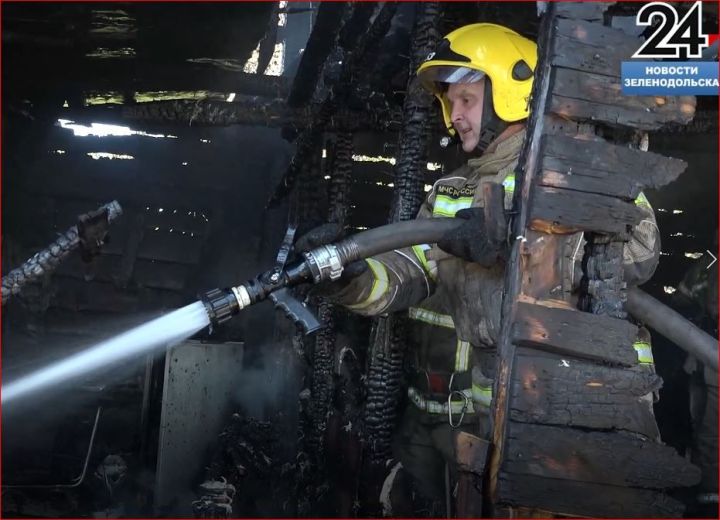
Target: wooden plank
543, 274
574, 333
583, 499
528, 162
471, 454
592, 11
584, 96
553, 390
591, 47
558, 175
588, 165
565, 211
613, 458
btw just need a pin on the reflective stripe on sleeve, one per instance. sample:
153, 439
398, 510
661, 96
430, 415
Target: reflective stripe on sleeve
447, 206
462, 356
482, 395
509, 183
430, 266
642, 200
380, 284
433, 318
644, 352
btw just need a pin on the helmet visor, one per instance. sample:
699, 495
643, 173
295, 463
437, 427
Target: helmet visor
433, 77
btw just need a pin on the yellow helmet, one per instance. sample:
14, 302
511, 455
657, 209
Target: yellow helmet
474, 51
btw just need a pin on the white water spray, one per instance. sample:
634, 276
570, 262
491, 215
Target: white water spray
153, 335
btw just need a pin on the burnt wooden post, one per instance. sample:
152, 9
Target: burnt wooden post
320, 428
389, 333
355, 61
573, 433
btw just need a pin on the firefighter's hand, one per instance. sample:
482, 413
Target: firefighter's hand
470, 240
327, 234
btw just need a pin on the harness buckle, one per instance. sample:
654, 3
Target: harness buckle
466, 402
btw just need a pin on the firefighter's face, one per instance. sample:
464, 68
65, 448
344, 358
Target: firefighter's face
466, 100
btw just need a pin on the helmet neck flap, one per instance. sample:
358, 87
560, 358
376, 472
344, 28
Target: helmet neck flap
491, 125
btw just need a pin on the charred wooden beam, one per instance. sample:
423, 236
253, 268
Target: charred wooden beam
321, 42
563, 211
586, 82
602, 168
616, 459
586, 499
585, 96
321, 391
303, 147
590, 47
266, 46
325, 111
562, 391
91, 226
417, 119
138, 76
356, 24
306, 211
390, 340
324, 353
367, 54
341, 179
384, 385
274, 113
553, 329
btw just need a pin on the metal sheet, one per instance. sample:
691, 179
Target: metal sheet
197, 402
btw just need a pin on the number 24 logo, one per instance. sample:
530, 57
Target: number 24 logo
670, 36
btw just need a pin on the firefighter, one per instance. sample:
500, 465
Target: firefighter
482, 75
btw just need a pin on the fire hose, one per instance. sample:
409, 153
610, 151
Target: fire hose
673, 326
326, 263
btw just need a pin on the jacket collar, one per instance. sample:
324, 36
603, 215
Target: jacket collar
506, 151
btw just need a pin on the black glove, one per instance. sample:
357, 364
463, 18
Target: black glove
318, 236
470, 240
327, 234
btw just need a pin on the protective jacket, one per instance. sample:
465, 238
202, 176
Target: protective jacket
444, 365
471, 293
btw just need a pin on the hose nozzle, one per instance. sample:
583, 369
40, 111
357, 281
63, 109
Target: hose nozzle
223, 304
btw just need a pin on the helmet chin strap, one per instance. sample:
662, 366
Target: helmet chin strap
491, 125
